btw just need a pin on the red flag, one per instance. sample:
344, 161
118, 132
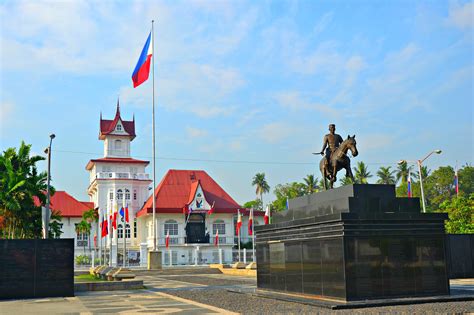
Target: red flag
216, 241
250, 222
211, 211
266, 218
105, 228
239, 224
113, 218
95, 240
126, 214
167, 239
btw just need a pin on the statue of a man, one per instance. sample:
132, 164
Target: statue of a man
331, 142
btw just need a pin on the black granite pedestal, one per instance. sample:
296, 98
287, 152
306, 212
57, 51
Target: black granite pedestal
353, 243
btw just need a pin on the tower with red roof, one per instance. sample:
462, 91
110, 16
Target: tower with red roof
117, 179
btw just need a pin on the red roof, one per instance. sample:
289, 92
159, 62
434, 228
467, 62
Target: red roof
175, 189
107, 126
68, 205
115, 160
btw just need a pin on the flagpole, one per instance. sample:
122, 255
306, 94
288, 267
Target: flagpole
111, 232
124, 235
238, 216
153, 130
253, 235
99, 230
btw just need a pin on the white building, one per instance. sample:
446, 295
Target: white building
183, 199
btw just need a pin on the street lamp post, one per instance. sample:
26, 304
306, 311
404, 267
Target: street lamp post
48, 202
419, 163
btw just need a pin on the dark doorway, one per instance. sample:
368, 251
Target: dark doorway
196, 229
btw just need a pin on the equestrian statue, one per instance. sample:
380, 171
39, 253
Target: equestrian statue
335, 157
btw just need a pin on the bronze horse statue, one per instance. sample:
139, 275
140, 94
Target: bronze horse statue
339, 160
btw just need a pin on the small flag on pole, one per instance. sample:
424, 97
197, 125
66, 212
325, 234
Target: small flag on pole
250, 221
142, 69
211, 211
105, 227
456, 181
114, 217
287, 204
266, 218
409, 185
239, 224
168, 239
216, 241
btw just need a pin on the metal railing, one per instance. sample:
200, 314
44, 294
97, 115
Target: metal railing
120, 175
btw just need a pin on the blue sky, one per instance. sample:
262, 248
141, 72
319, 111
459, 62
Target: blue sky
242, 87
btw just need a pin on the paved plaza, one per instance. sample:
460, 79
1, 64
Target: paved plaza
204, 291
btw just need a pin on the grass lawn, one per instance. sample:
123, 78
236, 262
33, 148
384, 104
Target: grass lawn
86, 278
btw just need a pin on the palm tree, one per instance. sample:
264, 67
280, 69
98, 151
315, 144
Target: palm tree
361, 173
20, 183
262, 186
402, 172
311, 184
346, 181
386, 176
83, 227
90, 216
55, 225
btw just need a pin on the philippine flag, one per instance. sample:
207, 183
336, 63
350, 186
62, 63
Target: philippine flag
142, 69
266, 218
409, 186
456, 181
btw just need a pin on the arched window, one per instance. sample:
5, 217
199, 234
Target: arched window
119, 194
218, 225
127, 194
111, 195
134, 194
118, 144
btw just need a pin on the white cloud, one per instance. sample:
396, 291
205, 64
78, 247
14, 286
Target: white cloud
461, 16
212, 111
275, 132
323, 22
236, 145
6, 111
196, 132
294, 101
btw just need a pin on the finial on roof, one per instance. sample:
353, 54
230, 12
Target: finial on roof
118, 107
100, 115
133, 117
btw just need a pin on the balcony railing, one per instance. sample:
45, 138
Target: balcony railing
223, 240
119, 175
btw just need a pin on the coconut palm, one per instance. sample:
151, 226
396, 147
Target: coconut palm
83, 227
261, 184
402, 172
311, 184
20, 185
90, 216
386, 176
361, 173
346, 180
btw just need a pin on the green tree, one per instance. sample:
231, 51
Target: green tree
402, 172
90, 216
255, 204
346, 181
386, 176
461, 214
21, 193
438, 187
55, 225
83, 227
466, 180
261, 185
286, 191
361, 173
311, 184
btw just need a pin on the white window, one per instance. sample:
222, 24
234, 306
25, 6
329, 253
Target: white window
82, 239
135, 195
119, 127
111, 195
118, 144
120, 231
127, 194
172, 227
119, 194
218, 225
135, 228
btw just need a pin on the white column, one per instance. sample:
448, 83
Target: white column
143, 255
220, 256
245, 255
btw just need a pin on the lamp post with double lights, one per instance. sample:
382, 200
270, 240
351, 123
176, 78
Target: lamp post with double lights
419, 163
48, 201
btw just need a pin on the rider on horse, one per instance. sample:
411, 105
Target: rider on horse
331, 142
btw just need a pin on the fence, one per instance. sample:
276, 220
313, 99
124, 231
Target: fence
460, 255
